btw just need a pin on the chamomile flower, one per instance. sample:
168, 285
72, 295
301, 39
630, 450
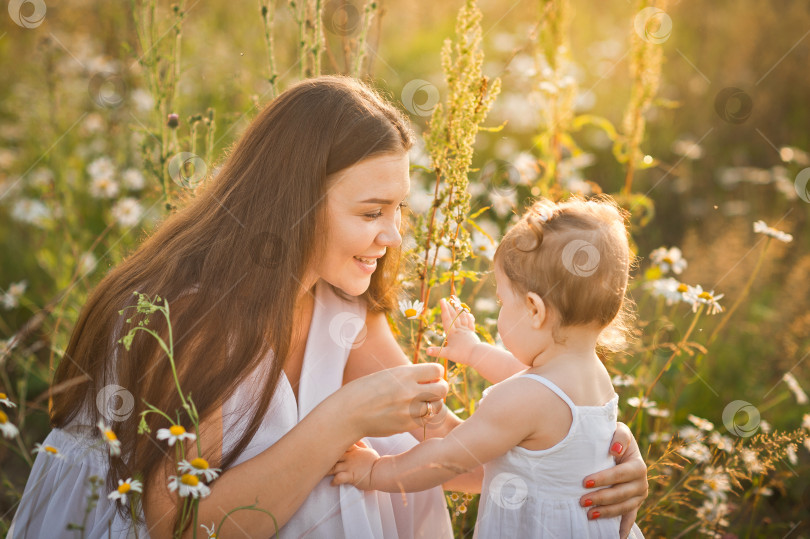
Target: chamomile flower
104, 187
199, 467
212, 531
696, 451
697, 296
637, 402
457, 304
124, 488
699, 422
669, 260
175, 433
110, 438
8, 430
49, 450
4, 400
751, 460
11, 297
761, 228
411, 309
795, 388
668, 288
189, 485
716, 483
127, 212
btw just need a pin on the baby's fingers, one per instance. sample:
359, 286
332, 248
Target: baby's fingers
341, 478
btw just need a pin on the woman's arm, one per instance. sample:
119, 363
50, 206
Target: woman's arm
280, 478
379, 350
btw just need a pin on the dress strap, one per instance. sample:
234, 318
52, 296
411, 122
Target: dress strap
552, 386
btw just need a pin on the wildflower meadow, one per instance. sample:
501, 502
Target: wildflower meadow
693, 116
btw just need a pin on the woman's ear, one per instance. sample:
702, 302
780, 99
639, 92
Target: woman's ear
537, 310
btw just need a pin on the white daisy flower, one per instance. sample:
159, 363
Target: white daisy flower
49, 450
110, 438
790, 451
6, 427
669, 259
697, 296
133, 179
690, 433
657, 412
104, 187
189, 485
411, 309
127, 212
175, 433
696, 451
793, 384
502, 203
142, 99
761, 228
669, 288
715, 483
4, 400
483, 246
30, 211
102, 167
457, 304
41, 177
724, 443
765, 427
623, 380
87, 263
699, 422
637, 402
806, 421
659, 437
199, 467
212, 531
751, 460
124, 488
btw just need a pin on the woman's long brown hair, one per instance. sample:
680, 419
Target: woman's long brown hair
230, 264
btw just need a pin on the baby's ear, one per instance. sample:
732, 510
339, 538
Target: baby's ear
537, 309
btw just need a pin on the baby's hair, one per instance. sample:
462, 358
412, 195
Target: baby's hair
574, 255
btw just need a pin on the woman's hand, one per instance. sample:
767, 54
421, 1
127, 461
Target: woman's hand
394, 400
628, 479
355, 467
459, 327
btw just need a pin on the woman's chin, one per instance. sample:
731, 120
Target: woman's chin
353, 287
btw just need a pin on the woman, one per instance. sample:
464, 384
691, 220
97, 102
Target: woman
289, 254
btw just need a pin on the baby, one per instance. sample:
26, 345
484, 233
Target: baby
561, 274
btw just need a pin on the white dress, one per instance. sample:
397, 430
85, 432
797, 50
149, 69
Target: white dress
57, 488
536, 493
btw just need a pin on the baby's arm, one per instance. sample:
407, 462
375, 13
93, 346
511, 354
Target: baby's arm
501, 422
463, 346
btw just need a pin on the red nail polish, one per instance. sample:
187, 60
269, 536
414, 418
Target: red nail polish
590, 483
616, 448
595, 515
588, 503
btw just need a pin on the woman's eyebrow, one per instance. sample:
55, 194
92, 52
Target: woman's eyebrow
376, 201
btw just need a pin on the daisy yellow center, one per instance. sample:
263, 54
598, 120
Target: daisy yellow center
190, 480
3, 396
51, 449
124, 488
683, 288
668, 260
410, 312
110, 435
200, 463
3, 418
177, 430
705, 295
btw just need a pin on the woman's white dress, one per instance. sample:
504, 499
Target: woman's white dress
57, 489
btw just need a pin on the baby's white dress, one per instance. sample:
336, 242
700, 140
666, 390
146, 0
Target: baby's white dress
536, 493
57, 488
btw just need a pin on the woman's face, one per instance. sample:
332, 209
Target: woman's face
363, 214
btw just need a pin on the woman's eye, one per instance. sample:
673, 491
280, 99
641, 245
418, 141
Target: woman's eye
374, 215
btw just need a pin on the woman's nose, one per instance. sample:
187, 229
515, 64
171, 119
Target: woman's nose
390, 236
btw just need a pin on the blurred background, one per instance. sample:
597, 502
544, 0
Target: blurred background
85, 173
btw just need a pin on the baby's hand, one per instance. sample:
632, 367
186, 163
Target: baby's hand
459, 326
355, 467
